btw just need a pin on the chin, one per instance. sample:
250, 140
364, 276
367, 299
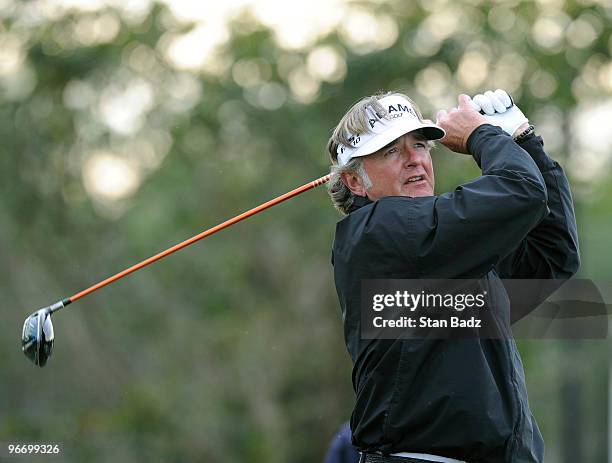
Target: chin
419, 192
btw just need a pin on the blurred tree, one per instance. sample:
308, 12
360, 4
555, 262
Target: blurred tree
129, 126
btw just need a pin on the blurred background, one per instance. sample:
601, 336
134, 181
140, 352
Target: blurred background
127, 126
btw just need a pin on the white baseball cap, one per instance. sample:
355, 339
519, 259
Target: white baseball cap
401, 118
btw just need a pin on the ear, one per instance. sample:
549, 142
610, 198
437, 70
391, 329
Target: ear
353, 183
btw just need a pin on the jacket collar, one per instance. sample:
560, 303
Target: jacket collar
358, 203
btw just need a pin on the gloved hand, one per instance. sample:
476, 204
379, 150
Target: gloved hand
499, 109
459, 123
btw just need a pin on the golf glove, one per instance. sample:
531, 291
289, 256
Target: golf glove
499, 109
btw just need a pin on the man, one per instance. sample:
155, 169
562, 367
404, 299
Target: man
444, 400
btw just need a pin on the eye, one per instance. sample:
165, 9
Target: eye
420, 145
391, 150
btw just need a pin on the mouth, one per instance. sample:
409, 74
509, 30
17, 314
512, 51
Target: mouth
416, 179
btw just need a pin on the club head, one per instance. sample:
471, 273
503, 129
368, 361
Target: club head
37, 337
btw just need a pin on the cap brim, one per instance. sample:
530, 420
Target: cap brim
430, 131
433, 132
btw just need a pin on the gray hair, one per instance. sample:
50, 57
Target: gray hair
342, 197
354, 122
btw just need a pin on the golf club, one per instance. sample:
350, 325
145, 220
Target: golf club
37, 335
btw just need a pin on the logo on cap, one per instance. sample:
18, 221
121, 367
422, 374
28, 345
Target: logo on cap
385, 129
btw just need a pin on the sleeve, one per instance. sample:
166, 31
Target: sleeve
550, 251
472, 229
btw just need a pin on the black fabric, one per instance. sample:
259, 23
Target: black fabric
462, 398
375, 458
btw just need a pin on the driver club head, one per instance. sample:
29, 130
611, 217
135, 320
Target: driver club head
37, 336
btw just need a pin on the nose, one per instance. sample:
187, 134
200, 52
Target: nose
412, 156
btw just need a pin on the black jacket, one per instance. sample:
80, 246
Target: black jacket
466, 398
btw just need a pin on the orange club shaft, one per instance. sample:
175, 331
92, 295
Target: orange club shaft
198, 237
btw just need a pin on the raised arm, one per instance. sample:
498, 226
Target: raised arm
473, 228
550, 250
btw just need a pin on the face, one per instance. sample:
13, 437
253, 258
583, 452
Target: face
402, 168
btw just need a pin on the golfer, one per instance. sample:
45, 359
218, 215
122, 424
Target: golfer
444, 400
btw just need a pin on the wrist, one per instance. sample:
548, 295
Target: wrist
476, 139
523, 132
520, 129
467, 135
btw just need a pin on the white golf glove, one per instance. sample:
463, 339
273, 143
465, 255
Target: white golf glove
499, 109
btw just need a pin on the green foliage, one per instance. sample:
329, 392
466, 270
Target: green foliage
232, 350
